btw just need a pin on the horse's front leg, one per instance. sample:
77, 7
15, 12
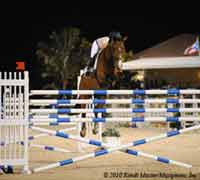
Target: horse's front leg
83, 124
96, 124
83, 127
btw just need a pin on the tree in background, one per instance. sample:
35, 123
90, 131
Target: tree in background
62, 58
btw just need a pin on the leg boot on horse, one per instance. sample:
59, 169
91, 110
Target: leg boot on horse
83, 130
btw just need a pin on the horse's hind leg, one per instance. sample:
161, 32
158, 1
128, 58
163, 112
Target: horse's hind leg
83, 129
96, 125
83, 124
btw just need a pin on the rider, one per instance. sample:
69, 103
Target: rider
101, 43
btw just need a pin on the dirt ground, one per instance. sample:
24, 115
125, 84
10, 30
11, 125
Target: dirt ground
118, 165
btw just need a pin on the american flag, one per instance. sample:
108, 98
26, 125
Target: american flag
193, 48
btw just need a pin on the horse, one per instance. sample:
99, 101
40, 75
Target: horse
106, 75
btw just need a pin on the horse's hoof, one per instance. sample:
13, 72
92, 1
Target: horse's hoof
133, 126
95, 131
99, 149
83, 133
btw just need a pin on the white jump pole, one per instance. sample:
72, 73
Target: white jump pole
116, 92
46, 134
113, 110
40, 102
49, 148
62, 119
122, 147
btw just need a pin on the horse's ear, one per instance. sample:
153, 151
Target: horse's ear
125, 38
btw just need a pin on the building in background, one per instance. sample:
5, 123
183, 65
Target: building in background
181, 78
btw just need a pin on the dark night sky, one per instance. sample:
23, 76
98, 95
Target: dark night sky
20, 33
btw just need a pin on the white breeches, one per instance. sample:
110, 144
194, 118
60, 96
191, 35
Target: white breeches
94, 49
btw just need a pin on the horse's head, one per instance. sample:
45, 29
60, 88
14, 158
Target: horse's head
108, 68
117, 50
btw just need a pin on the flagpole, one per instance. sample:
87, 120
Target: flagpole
198, 45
